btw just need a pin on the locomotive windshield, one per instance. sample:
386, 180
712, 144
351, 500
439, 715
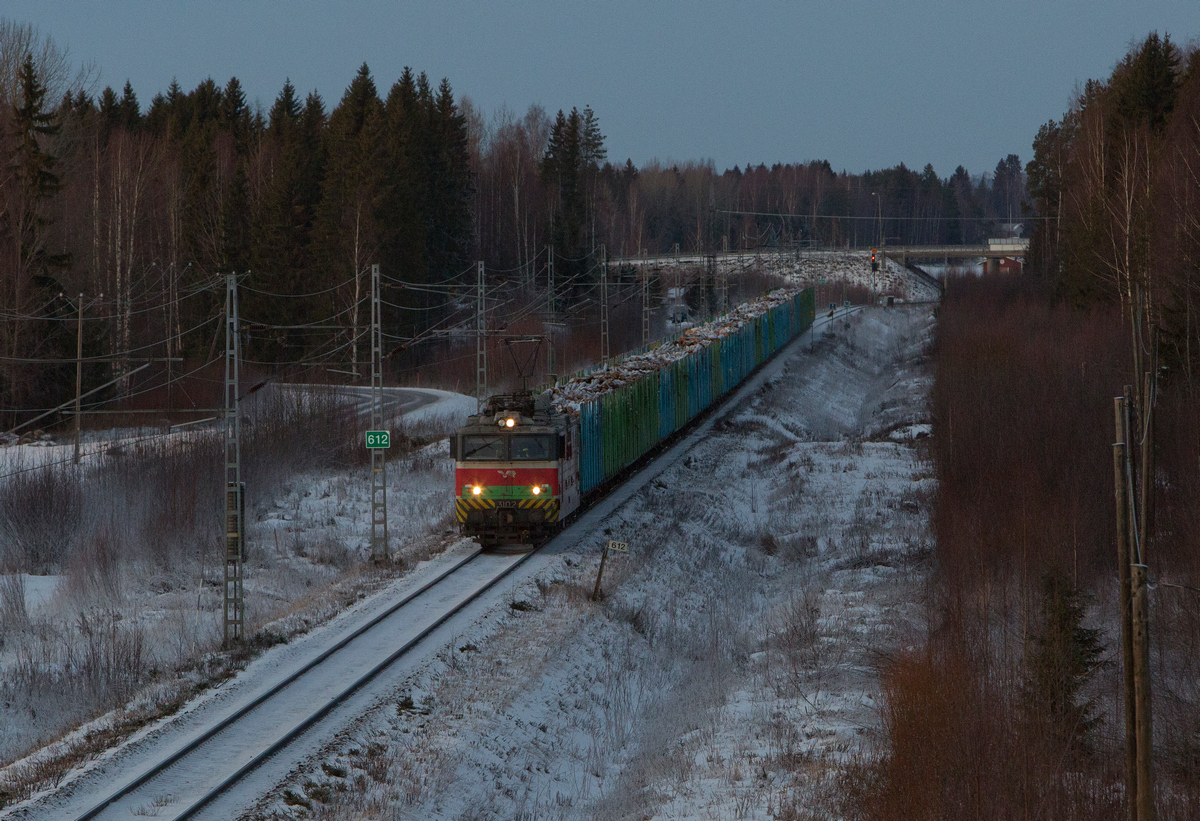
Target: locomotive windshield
484, 449
531, 448
519, 448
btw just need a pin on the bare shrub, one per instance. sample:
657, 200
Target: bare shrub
331, 551
1022, 414
174, 493
956, 750
62, 676
94, 570
14, 617
110, 659
295, 430
794, 638
39, 509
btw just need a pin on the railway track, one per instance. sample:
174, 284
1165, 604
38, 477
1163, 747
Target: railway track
257, 736
199, 773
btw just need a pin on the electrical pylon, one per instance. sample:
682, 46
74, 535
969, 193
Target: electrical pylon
550, 363
480, 344
235, 605
379, 534
645, 302
603, 303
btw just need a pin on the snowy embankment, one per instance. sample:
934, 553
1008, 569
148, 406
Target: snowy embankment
731, 669
814, 267
304, 534
131, 617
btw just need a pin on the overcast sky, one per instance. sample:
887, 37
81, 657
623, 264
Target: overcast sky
865, 85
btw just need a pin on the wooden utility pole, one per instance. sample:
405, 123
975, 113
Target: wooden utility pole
1141, 618
1133, 489
1141, 693
1120, 484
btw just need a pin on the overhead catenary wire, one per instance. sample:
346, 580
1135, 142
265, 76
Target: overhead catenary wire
119, 355
430, 289
634, 294
320, 357
68, 403
437, 329
539, 303
417, 309
148, 389
88, 454
457, 281
873, 217
101, 317
316, 358
441, 328
349, 309
452, 278
520, 268
253, 330
329, 290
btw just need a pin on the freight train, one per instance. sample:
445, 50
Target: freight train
516, 467
524, 466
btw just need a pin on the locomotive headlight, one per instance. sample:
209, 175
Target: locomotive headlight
537, 489
476, 490
509, 422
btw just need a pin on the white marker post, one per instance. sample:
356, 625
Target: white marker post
621, 547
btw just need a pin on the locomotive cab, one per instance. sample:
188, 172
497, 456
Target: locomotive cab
516, 469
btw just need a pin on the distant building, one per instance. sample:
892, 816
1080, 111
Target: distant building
1001, 265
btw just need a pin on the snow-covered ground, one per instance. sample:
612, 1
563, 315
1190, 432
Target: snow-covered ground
74, 643
761, 585
812, 268
731, 668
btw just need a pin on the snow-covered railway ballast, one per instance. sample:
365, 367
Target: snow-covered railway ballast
525, 466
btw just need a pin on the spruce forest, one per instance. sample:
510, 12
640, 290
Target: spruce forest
1003, 693
124, 218
1017, 703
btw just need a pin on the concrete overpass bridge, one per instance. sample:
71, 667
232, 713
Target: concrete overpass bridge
995, 249
993, 252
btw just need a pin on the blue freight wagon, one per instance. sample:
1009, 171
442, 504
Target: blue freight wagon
524, 466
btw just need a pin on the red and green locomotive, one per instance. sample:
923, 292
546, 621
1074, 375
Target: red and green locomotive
516, 470
524, 466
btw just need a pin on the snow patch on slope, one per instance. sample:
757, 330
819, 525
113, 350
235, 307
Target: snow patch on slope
730, 669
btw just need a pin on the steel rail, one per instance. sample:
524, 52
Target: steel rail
275, 689
333, 702
350, 690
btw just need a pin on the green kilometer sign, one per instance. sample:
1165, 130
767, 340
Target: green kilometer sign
379, 439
